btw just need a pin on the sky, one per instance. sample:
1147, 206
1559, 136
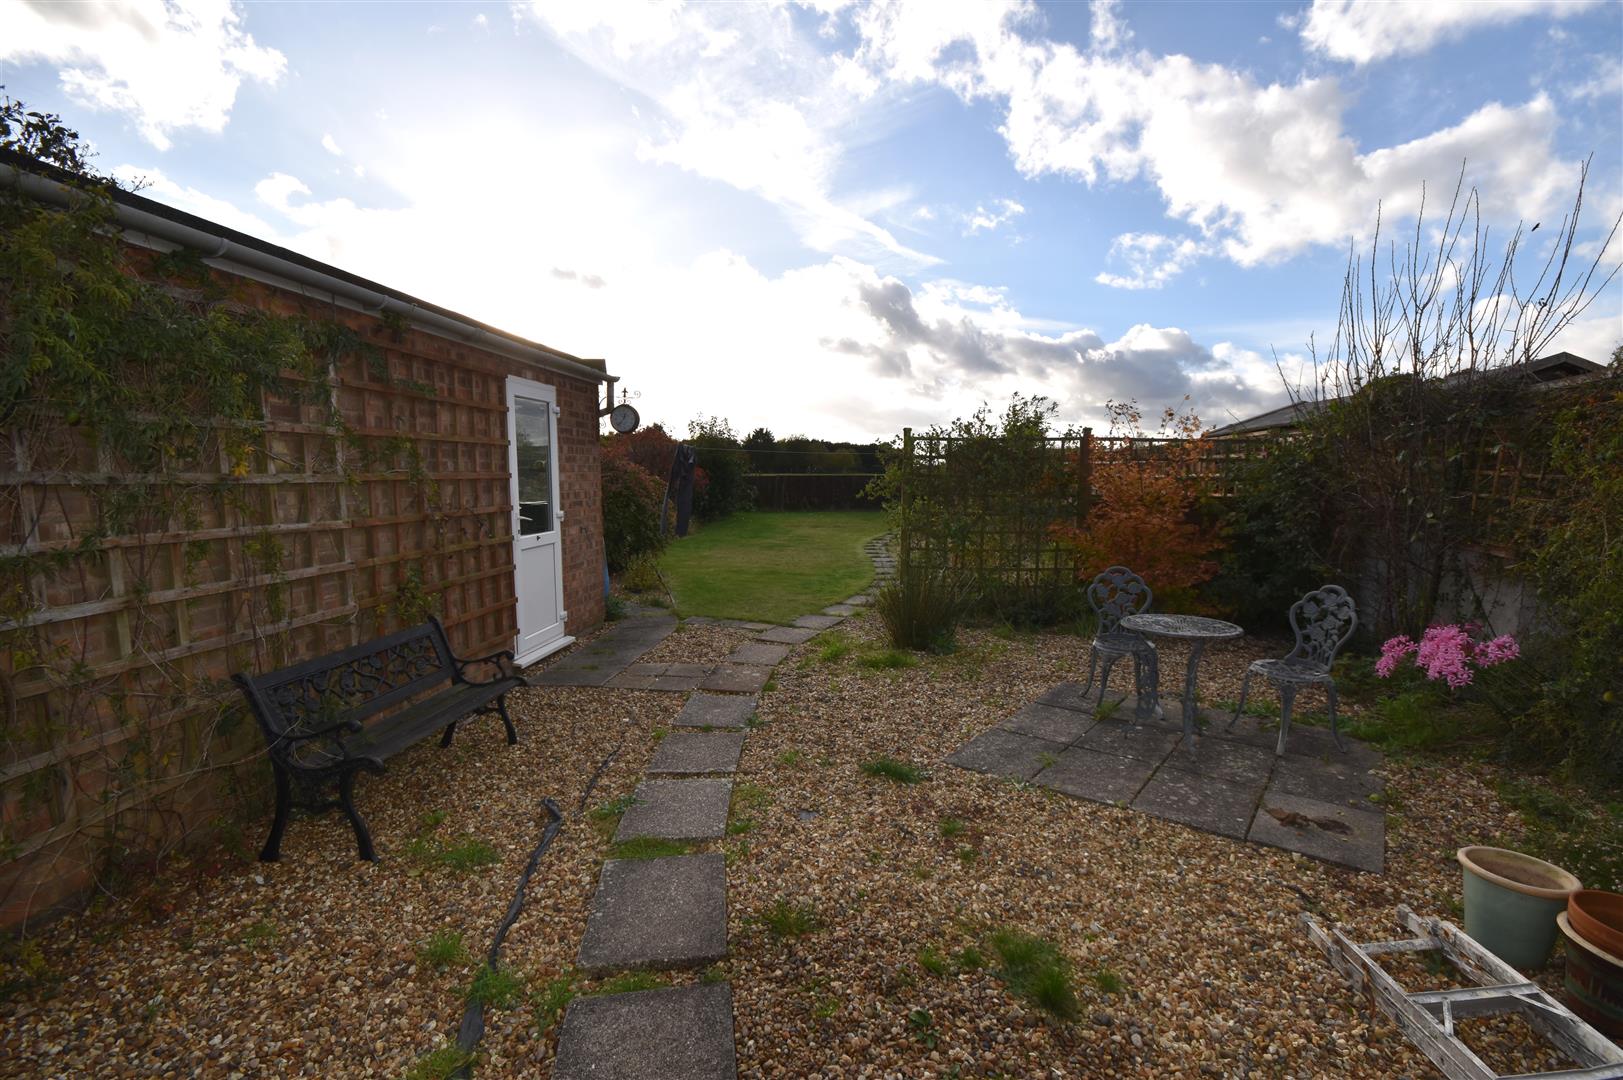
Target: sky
839, 219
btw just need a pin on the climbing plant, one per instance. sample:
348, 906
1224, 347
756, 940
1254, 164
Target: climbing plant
134, 396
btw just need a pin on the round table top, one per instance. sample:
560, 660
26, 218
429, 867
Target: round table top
1182, 626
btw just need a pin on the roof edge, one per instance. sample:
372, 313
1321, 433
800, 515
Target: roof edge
146, 220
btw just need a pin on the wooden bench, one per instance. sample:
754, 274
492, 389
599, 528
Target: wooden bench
322, 725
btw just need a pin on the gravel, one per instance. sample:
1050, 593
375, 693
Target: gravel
308, 967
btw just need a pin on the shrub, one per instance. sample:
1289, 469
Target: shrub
921, 610
725, 466
632, 498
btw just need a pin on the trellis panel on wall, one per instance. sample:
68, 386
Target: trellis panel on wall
327, 536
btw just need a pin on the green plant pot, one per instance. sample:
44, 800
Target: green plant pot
1511, 903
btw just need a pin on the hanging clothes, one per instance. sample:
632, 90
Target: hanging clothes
681, 485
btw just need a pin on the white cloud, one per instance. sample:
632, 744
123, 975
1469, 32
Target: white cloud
1261, 171
1361, 32
983, 220
481, 21
330, 144
743, 99
170, 65
153, 184
1152, 260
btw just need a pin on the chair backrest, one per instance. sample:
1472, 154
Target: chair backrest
1323, 621
352, 684
1115, 594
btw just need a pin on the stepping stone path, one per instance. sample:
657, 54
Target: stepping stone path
1316, 800
671, 912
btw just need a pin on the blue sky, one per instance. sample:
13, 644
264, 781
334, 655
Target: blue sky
839, 219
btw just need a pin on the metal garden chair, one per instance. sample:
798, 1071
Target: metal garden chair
1115, 594
1323, 621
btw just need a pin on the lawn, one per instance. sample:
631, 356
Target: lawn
773, 567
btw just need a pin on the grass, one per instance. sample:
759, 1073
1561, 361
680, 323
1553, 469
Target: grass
442, 950
790, 758
551, 1001
1107, 981
1569, 828
933, 962
771, 567
951, 827
629, 982
469, 853
887, 660
890, 769
786, 920
439, 1064
835, 647
649, 847
260, 934
496, 987
1036, 970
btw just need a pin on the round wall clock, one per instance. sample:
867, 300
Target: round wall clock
624, 419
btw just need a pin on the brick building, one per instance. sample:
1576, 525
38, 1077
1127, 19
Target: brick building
479, 501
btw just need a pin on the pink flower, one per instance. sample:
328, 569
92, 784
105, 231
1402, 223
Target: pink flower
1445, 653
1497, 651
1393, 651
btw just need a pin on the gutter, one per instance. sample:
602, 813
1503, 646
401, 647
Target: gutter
152, 225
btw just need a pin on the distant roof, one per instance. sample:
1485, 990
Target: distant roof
1545, 369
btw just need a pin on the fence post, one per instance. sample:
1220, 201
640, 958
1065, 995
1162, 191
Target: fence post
1084, 477
903, 541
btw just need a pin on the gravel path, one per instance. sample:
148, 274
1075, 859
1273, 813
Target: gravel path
309, 967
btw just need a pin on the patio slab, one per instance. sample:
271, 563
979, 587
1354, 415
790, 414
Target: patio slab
696, 753
841, 610
787, 635
1203, 802
1225, 759
595, 663
818, 622
669, 683
1322, 830
859, 600
1047, 722
657, 913
1068, 695
677, 810
715, 710
758, 652
1088, 774
1148, 742
681, 1034
1333, 781
1004, 753
745, 624
737, 678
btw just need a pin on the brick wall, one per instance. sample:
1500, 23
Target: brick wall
358, 525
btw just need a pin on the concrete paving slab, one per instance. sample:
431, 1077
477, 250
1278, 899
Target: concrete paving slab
1203, 802
696, 753
641, 668
1088, 774
633, 682
700, 670
610, 654
1226, 759
745, 624
840, 610
758, 652
817, 622
677, 810
737, 678
1144, 741
1068, 695
681, 1034
859, 600
1004, 753
787, 635
1335, 781
1323, 830
715, 710
657, 913
1047, 722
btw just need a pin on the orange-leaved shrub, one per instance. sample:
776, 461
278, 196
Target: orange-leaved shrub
1142, 516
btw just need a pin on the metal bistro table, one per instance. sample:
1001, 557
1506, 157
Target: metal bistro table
1196, 630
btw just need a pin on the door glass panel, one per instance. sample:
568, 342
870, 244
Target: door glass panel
532, 426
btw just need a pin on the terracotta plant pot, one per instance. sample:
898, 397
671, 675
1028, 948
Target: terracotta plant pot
1594, 982
1511, 901
1597, 917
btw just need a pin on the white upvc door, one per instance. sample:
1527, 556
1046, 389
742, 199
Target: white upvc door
538, 573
